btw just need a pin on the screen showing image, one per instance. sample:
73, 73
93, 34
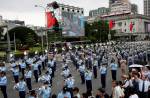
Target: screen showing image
72, 24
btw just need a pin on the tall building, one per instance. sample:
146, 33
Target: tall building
113, 1
99, 11
147, 7
134, 8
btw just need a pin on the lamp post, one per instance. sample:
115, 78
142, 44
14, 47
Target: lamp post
45, 25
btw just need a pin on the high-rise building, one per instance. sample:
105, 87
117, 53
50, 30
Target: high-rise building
147, 7
134, 8
113, 1
99, 11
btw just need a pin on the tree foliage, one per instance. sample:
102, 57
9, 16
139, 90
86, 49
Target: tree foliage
98, 31
23, 35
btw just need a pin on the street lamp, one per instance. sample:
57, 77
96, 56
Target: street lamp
45, 25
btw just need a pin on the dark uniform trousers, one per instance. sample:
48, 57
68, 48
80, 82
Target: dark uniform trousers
39, 69
103, 80
22, 94
95, 71
36, 75
89, 85
113, 73
3, 89
28, 81
16, 78
22, 70
82, 77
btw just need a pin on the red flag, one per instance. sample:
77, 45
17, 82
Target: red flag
131, 26
111, 24
51, 20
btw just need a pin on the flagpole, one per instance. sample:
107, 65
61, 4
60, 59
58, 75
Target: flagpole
15, 41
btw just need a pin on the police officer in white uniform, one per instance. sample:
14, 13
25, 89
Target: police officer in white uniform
21, 87
88, 79
3, 83
45, 90
28, 76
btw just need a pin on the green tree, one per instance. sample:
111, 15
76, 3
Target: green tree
98, 31
30, 40
22, 34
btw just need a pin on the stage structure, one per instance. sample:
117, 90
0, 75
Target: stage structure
71, 20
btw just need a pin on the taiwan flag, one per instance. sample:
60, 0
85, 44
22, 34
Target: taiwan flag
131, 26
51, 20
111, 24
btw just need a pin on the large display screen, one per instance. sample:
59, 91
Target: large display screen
72, 24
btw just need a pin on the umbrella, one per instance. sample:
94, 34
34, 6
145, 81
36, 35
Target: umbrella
135, 65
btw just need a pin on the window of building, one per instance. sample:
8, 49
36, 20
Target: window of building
125, 23
120, 24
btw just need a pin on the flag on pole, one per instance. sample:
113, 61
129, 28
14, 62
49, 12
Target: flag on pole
111, 24
51, 20
131, 26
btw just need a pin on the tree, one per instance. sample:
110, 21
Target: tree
24, 35
98, 31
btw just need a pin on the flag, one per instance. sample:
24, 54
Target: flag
131, 26
111, 24
51, 20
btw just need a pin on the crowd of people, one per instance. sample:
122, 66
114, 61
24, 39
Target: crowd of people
132, 59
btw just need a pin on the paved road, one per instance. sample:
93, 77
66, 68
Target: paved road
58, 81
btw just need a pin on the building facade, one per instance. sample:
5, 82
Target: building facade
141, 24
120, 7
99, 11
134, 8
147, 7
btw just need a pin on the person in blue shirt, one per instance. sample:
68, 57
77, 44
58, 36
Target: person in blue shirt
45, 90
88, 79
64, 93
114, 68
23, 67
3, 83
21, 87
35, 71
28, 76
15, 72
103, 72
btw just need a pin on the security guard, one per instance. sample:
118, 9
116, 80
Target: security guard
28, 76
103, 72
15, 72
3, 83
82, 72
35, 71
23, 67
95, 65
114, 68
88, 79
21, 87
45, 90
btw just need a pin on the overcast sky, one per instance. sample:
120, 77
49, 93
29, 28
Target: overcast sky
25, 10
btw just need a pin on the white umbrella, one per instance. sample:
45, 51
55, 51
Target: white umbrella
147, 65
135, 65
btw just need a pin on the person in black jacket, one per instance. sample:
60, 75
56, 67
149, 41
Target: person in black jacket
101, 93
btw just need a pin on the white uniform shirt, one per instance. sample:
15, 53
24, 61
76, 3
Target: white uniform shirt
88, 75
3, 81
23, 65
82, 68
64, 95
21, 86
45, 92
28, 74
103, 70
70, 82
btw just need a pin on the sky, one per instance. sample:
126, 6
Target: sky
25, 9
